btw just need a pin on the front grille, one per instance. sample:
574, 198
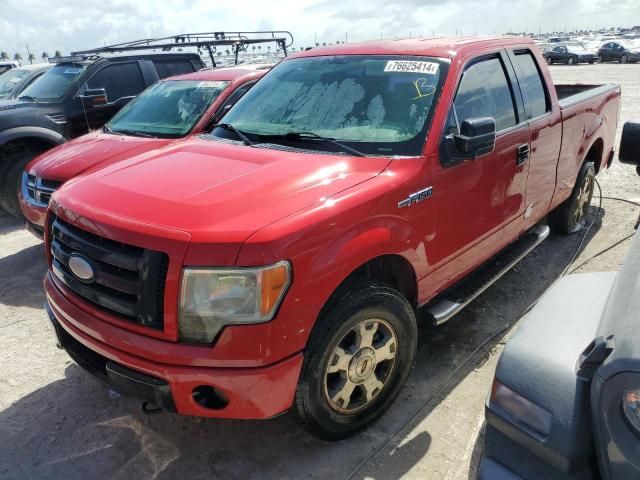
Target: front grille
127, 281
39, 190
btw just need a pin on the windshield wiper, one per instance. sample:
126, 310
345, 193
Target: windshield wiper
28, 98
311, 135
133, 133
231, 128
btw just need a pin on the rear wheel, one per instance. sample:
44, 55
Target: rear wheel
549, 61
10, 180
600, 59
570, 216
358, 357
624, 59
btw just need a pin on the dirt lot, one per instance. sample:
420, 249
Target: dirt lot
56, 422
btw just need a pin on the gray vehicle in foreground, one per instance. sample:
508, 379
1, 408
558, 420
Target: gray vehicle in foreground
565, 403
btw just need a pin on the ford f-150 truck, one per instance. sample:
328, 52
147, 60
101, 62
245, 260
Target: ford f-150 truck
168, 111
281, 259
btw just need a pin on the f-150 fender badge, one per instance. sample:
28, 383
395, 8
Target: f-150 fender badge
416, 197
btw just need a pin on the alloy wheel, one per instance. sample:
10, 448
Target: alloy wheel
361, 366
583, 199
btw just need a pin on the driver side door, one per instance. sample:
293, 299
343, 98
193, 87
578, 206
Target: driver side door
120, 81
482, 200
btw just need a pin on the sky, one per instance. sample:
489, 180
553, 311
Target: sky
68, 25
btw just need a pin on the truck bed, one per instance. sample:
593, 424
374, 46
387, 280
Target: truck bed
569, 94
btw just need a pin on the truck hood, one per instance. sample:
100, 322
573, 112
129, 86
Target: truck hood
219, 192
90, 152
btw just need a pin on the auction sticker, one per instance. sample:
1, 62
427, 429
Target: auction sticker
410, 66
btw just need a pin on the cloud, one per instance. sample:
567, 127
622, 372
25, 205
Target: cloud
69, 25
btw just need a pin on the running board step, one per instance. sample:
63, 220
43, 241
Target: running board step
455, 298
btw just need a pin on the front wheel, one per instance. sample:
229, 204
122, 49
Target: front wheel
10, 180
358, 357
624, 59
571, 61
549, 61
571, 216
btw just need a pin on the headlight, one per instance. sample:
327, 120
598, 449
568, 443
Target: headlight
211, 298
631, 407
521, 409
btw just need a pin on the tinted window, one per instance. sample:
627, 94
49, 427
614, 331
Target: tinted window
119, 80
484, 92
169, 68
531, 84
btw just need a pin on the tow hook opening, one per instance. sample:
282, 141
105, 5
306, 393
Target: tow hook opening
150, 408
210, 397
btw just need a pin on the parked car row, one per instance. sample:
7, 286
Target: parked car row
572, 53
278, 258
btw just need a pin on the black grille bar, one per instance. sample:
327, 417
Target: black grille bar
127, 280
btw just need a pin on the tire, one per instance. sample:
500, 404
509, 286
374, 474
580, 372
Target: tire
571, 61
600, 59
570, 216
10, 181
624, 59
549, 61
591, 62
335, 404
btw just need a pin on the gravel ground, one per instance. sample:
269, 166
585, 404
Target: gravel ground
56, 422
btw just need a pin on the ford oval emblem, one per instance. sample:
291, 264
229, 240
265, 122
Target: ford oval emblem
81, 268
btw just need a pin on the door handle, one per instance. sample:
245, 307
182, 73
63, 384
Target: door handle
523, 154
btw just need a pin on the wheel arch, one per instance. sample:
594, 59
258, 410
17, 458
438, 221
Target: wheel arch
42, 137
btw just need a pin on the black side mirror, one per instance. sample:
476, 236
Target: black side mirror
477, 137
93, 97
630, 145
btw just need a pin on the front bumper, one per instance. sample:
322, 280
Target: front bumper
249, 393
35, 215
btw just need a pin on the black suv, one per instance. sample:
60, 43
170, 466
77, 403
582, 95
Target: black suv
76, 95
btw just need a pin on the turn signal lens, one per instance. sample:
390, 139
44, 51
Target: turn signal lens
521, 409
631, 407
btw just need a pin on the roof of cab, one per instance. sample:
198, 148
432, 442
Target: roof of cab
227, 73
35, 66
443, 47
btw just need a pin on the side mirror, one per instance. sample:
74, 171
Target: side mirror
630, 145
93, 97
477, 137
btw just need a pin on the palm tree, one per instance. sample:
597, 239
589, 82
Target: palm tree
269, 48
31, 57
4, 56
253, 48
45, 56
17, 57
227, 51
259, 48
57, 53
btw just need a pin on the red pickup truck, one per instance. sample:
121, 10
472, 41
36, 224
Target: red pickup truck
170, 110
281, 259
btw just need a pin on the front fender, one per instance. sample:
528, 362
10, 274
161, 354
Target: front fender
31, 132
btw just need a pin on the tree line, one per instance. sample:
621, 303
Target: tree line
4, 56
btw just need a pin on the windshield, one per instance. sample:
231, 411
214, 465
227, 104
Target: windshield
8, 82
54, 83
170, 108
378, 105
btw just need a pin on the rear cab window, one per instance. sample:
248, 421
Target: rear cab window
532, 85
170, 67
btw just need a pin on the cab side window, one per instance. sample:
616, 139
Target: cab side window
531, 83
120, 80
485, 92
